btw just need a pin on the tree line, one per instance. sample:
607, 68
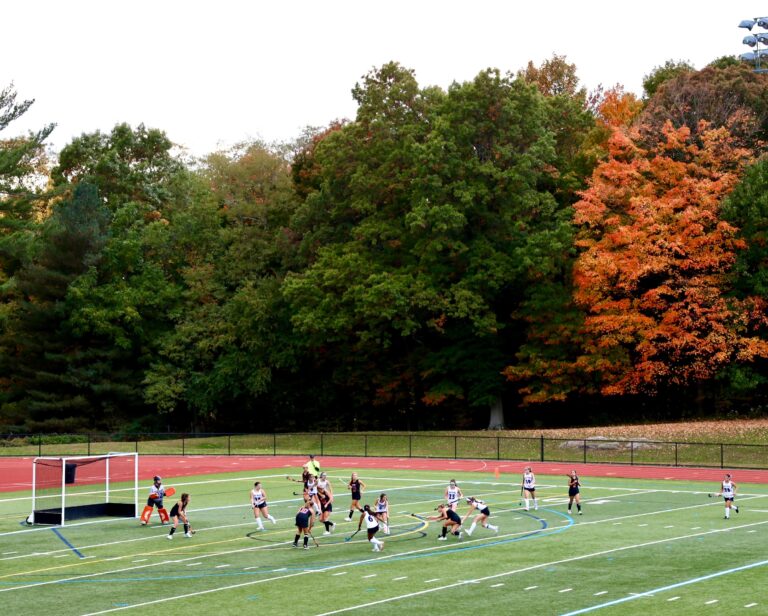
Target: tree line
513, 248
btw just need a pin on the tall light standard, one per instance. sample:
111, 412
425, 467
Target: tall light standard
754, 40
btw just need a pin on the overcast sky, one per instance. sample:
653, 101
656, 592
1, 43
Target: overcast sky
217, 72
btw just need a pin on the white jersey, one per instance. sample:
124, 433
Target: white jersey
479, 504
452, 494
312, 486
257, 496
324, 484
728, 489
382, 506
529, 481
371, 521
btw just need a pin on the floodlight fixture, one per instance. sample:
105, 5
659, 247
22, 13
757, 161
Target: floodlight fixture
747, 23
762, 37
763, 22
750, 40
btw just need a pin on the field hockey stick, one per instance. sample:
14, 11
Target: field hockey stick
352, 535
417, 516
317, 545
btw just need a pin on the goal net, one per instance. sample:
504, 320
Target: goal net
71, 488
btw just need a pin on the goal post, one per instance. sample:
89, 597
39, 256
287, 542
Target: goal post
76, 487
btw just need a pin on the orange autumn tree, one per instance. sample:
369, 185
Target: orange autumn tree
652, 277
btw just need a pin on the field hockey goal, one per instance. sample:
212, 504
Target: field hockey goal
71, 488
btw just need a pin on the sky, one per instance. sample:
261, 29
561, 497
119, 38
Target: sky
211, 74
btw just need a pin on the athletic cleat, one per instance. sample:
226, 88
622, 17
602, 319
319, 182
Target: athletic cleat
459, 535
274, 521
569, 512
347, 519
169, 536
327, 532
496, 530
188, 535
736, 509
375, 549
469, 533
295, 545
381, 546
306, 547
581, 513
442, 538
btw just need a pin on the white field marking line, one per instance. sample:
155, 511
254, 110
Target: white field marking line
602, 592
531, 588
750, 605
255, 548
402, 577
370, 575
711, 602
249, 523
549, 564
240, 550
702, 578
497, 585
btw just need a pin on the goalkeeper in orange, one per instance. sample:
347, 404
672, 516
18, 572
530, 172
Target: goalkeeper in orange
156, 494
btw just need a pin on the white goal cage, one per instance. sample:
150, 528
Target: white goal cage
71, 488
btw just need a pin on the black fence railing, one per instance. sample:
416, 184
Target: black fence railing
405, 445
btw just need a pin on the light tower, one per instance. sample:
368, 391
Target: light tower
755, 40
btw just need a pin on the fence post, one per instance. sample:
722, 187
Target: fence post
39, 445
274, 443
89, 444
365, 440
722, 457
631, 453
183, 444
676, 454
585, 451
498, 448
321, 443
410, 445
541, 446
137, 443
455, 447
229, 444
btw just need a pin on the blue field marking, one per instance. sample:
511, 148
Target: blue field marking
654, 591
67, 543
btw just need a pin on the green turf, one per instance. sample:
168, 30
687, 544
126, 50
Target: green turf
634, 537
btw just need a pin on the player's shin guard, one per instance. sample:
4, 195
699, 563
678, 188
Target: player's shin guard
164, 517
145, 514
471, 529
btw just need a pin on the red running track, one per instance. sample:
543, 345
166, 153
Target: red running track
16, 473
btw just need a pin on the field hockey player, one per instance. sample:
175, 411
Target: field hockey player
356, 487
326, 507
305, 520
259, 504
382, 512
450, 519
483, 513
372, 526
156, 494
179, 512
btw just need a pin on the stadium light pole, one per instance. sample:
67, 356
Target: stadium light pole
754, 40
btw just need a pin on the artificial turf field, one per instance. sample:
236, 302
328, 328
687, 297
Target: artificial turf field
641, 545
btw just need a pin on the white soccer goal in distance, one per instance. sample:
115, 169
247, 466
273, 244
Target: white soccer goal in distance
71, 488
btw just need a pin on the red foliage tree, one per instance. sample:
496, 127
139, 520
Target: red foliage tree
652, 276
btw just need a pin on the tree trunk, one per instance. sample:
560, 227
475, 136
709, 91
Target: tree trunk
497, 416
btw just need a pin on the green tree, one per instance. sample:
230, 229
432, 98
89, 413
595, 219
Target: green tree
661, 74
44, 361
433, 214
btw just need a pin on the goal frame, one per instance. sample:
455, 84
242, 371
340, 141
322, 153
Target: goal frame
58, 516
